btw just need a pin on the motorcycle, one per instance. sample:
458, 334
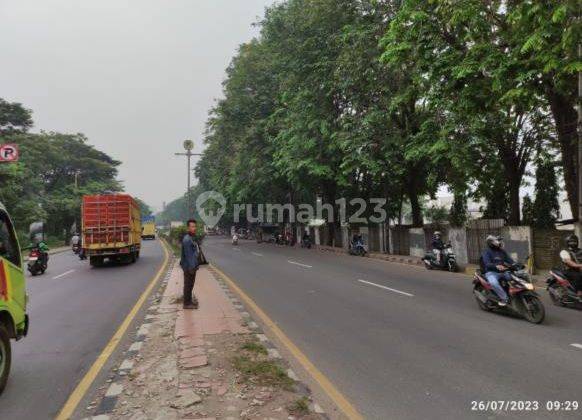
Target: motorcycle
306, 243
561, 290
448, 258
37, 262
358, 249
76, 249
523, 300
235, 239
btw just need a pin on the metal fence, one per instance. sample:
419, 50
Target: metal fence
477, 232
400, 240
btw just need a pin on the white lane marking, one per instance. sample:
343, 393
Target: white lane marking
257, 254
63, 275
235, 249
578, 346
386, 288
299, 264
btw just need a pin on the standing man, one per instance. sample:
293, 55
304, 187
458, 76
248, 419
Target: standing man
189, 264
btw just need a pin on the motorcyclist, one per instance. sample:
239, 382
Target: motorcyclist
571, 263
42, 248
75, 239
438, 246
495, 261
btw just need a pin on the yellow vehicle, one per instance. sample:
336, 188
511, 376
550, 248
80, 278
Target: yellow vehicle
148, 228
13, 298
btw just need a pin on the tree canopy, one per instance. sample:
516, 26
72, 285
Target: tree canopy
394, 99
54, 171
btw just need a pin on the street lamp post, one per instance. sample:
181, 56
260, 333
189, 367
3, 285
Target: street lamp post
188, 146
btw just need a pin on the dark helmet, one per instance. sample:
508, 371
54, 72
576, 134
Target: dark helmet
572, 241
494, 241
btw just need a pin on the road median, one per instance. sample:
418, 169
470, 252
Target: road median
205, 363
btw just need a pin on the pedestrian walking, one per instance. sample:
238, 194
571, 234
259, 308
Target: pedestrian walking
189, 263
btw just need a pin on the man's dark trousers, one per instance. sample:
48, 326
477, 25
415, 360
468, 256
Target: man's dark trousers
189, 280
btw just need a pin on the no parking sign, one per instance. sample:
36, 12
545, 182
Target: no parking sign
8, 153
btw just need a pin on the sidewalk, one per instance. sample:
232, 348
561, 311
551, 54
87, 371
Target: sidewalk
201, 364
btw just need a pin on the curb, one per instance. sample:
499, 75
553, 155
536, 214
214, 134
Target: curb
273, 352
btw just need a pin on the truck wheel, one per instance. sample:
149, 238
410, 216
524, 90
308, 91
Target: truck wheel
5, 357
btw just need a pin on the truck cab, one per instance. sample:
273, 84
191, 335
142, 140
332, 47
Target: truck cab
13, 298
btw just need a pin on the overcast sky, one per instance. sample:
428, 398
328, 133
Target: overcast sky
136, 76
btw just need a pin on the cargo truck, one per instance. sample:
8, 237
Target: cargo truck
111, 228
148, 227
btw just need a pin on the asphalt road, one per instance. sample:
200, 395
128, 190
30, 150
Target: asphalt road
401, 342
74, 310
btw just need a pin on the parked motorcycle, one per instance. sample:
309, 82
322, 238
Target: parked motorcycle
562, 291
523, 300
448, 258
37, 262
358, 248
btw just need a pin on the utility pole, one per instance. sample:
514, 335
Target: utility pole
188, 146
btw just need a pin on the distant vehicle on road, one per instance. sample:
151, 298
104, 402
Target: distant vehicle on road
13, 298
111, 228
148, 228
357, 247
37, 261
448, 260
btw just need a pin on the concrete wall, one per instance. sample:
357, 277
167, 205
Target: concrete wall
458, 239
417, 242
518, 242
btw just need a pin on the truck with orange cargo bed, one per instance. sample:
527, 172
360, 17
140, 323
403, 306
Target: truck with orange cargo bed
111, 228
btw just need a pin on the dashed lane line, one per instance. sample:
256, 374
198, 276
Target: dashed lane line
63, 274
386, 288
299, 264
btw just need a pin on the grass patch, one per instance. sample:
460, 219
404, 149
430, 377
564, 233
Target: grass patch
254, 347
299, 407
262, 372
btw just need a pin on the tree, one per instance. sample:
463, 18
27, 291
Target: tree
14, 118
546, 208
55, 170
458, 214
144, 208
459, 53
545, 42
527, 211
